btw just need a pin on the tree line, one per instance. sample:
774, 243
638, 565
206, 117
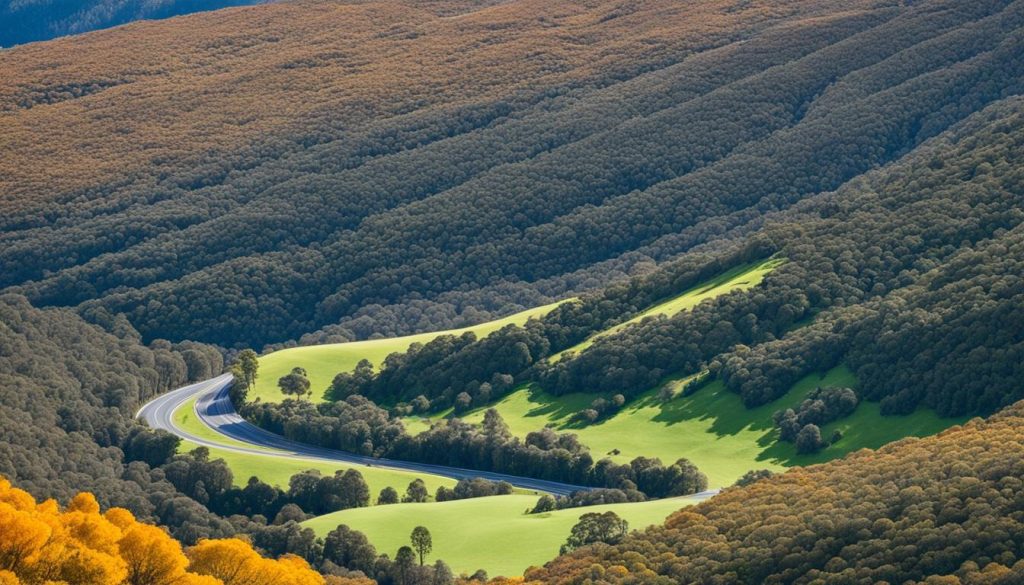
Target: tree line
357, 424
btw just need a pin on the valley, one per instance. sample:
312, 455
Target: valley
512, 292
710, 427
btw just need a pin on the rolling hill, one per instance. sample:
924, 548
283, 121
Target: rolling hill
323, 362
495, 534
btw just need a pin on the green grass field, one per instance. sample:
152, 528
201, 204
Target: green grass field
277, 470
323, 362
490, 533
712, 428
743, 277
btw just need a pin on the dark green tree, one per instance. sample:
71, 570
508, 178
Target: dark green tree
248, 363
387, 495
809, 440
422, 542
416, 492
545, 504
594, 527
294, 383
405, 564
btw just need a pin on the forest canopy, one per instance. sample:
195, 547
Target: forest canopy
381, 204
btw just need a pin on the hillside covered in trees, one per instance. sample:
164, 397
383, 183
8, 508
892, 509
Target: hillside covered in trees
570, 144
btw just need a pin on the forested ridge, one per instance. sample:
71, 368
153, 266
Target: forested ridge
910, 275
408, 210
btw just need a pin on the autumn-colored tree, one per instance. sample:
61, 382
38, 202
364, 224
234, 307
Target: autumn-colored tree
39, 544
234, 562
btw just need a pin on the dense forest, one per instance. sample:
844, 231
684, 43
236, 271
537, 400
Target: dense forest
938, 234
70, 389
663, 127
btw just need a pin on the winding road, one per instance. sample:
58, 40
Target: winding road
214, 409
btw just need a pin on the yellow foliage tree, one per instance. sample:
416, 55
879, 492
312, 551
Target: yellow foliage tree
234, 562
41, 544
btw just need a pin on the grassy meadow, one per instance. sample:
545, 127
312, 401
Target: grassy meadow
323, 362
712, 428
491, 533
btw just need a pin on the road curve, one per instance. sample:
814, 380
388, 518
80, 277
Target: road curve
214, 409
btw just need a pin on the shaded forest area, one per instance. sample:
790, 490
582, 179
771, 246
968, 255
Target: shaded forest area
420, 207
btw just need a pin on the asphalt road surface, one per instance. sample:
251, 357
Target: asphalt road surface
214, 409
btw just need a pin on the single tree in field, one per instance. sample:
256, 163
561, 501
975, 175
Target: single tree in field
594, 527
295, 383
422, 543
249, 363
416, 492
387, 495
809, 440
545, 504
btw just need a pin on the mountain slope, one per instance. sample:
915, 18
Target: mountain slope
297, 178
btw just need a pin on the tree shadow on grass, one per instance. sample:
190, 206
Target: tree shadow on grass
556, 409
724, 409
